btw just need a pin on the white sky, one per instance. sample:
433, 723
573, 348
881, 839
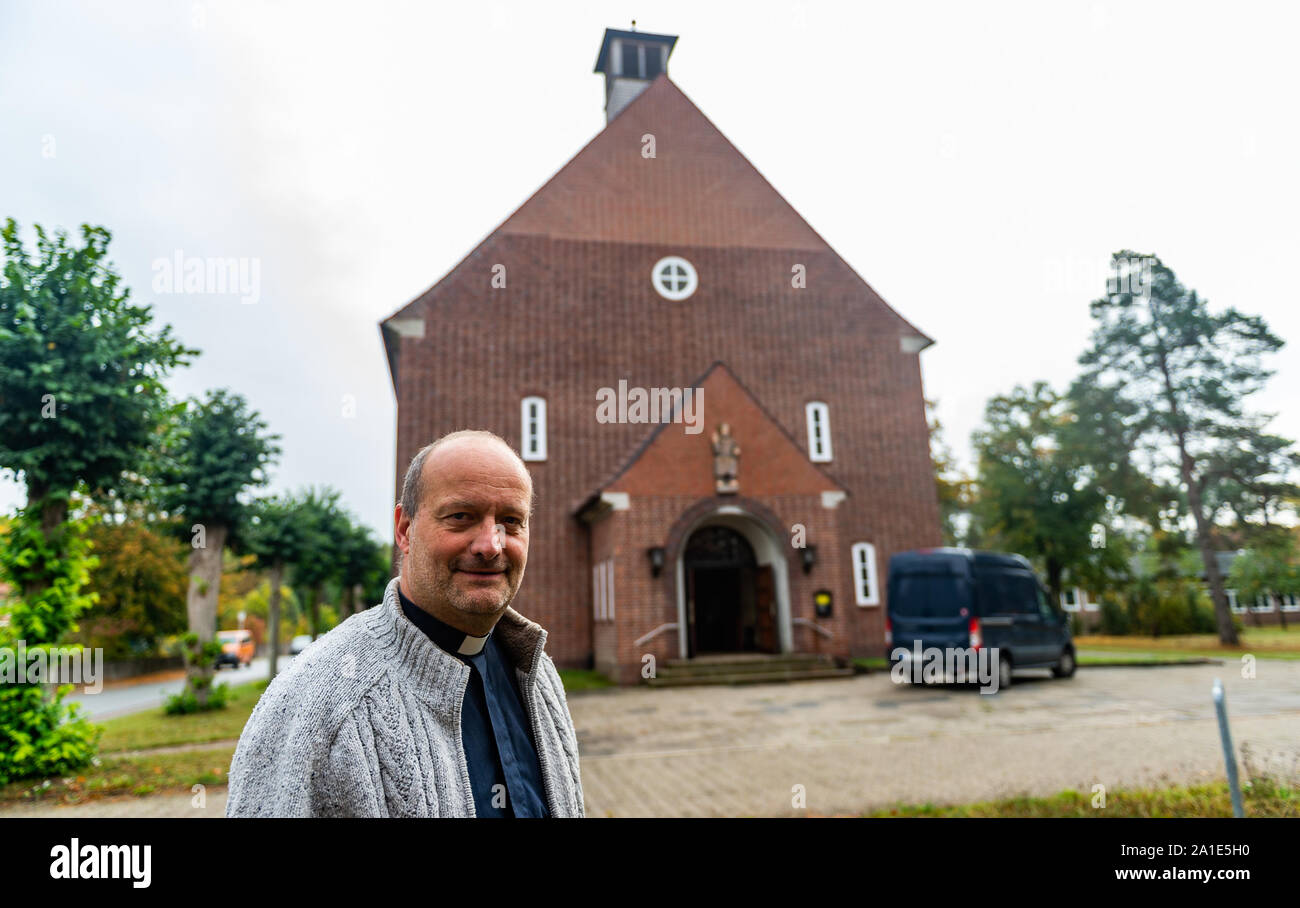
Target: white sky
976, 163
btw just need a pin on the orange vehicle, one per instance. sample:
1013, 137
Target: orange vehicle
236, 648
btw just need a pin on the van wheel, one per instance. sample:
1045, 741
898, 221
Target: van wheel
1004, 671
1064, 668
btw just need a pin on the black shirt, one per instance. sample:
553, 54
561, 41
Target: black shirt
494, 724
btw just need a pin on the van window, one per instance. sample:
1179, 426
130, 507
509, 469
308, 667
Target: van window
929, 596
1003, 593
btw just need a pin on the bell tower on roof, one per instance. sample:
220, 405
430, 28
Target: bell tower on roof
630, 61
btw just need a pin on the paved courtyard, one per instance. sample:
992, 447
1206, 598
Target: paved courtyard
865, 742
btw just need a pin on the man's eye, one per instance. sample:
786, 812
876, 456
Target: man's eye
457, 515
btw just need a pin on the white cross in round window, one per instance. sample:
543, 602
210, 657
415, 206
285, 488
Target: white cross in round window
674, 278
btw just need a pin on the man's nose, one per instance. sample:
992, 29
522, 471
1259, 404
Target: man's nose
488, 539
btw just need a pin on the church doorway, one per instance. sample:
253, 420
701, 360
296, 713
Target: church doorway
730, 607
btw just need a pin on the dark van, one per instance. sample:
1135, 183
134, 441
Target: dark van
961, 598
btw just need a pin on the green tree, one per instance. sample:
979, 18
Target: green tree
955, 489
1185, 373
362, 564
140, 583
81, 392
81, 372
216, 452
1034, 493
325, 526
275, 534
1271, 568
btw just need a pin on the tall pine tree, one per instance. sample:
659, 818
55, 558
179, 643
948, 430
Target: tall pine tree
1185, 372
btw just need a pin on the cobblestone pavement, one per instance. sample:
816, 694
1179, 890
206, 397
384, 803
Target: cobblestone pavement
864, 742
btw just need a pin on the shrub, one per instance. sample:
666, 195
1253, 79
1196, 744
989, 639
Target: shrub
1114, 617
39, 734
187, 702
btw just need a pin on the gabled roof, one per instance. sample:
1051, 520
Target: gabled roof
760, 436
698, 190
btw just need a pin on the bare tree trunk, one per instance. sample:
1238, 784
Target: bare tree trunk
201, 605
273, 614
1222, 613
1227, 633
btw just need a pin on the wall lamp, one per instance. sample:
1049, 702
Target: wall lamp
809, 555
656, 560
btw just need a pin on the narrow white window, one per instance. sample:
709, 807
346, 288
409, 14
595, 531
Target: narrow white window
595, 592
1070, 600
1290, 603
1232, 601
609, 580
819, 432
1263, 603
604, 591
534, 428
864, 573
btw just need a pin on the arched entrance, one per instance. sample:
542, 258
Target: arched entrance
730, 597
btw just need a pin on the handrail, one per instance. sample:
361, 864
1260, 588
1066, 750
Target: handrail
656, 632
814, 625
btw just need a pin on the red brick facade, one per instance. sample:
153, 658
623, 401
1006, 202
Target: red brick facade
578, 313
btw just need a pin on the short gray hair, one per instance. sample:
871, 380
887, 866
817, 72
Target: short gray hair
413, 486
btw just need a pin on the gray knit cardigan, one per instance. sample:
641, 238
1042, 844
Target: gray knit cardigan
366, 723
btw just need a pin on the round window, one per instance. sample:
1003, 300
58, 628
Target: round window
674, 278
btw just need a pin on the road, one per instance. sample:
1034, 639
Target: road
121, 700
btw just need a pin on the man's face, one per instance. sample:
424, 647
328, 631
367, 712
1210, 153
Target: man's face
466, 548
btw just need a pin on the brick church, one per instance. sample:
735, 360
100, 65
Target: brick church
724, 423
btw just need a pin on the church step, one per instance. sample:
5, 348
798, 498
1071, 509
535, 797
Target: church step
749, 677
706, 666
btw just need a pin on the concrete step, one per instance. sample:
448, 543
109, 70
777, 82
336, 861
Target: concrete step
769, 677
730, 665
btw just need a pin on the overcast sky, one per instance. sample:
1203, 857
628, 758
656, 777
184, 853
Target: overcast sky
975, 163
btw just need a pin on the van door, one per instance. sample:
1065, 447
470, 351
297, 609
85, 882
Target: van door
1054, 629
933, 609
1009, 614
996, 609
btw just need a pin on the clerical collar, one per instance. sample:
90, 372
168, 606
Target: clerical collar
442, 633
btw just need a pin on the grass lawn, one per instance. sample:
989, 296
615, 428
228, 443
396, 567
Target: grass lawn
1263, 642
153, 728
142, 775
1264, 797
576, 679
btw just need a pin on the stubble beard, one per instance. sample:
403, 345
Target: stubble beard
436, 582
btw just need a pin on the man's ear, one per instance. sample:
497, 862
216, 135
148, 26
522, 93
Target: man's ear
401, 530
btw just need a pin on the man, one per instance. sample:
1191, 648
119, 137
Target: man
441, 702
